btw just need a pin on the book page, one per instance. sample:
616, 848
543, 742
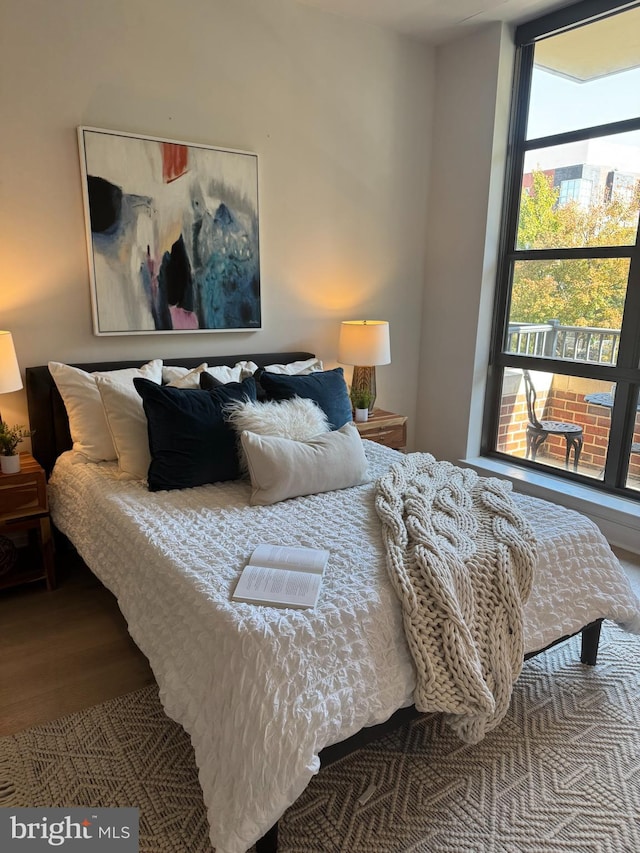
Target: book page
290, 557
265, 585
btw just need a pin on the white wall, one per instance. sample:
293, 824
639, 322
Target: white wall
339, 113
473, 85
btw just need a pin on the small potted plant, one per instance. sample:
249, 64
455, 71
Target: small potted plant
10, 438
361, 399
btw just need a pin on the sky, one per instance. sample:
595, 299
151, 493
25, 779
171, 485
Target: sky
559, 104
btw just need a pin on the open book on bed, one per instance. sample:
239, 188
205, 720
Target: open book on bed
282, 576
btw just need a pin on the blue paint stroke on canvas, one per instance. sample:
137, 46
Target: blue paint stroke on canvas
175, 241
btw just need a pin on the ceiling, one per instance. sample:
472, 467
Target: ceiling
603, 48
437, 21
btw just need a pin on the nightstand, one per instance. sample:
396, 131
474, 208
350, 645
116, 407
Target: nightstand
385, 428
24, 517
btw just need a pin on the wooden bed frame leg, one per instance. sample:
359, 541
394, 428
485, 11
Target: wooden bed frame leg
590, 640
269, 841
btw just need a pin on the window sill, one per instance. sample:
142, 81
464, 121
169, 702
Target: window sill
618, 518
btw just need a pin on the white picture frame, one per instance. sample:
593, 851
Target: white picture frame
172, 235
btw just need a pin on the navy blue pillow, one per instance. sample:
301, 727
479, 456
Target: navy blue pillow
189, 440
208, 382
326, 387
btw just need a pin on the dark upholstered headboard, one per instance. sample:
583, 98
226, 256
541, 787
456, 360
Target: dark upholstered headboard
48, 416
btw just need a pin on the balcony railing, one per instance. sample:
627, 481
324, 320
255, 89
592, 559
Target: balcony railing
572, 343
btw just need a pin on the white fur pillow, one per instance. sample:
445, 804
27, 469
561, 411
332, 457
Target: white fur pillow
281, 468
297, 419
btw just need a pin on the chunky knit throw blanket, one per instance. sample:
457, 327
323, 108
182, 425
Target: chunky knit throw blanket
461, 559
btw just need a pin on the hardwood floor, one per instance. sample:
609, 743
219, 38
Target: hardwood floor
65, 650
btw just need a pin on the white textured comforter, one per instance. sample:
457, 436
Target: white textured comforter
262, 690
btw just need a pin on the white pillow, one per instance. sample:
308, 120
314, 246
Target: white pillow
182, 377
175, 376
281, 468
127, 425
294, 368
87, 419
297, 419
226, 374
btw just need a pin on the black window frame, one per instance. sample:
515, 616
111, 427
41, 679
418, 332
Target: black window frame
626, 373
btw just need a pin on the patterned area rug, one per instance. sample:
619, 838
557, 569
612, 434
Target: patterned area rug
561, 773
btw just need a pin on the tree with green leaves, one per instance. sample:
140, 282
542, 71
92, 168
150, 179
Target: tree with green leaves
577, 292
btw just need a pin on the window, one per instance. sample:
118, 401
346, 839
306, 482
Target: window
579, 190
564, 378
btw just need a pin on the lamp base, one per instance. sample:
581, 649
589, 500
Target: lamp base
364, 379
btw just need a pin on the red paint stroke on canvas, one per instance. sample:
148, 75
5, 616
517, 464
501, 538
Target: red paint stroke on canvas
174, 161
181, 319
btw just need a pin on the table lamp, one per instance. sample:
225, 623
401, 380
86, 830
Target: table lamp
10, 379
364, 343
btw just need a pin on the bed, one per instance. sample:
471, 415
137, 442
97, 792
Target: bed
267, 693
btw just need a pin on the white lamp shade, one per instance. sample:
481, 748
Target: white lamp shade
10, 379
364, 342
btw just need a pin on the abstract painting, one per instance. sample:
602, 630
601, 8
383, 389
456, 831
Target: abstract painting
172, 235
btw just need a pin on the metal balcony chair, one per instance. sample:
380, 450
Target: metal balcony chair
539, 431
